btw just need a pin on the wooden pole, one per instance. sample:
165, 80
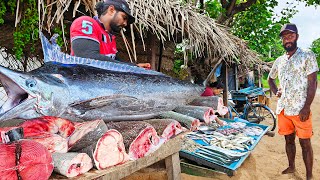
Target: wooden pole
153, 52
225, 82
236, 77
259, 76
160, 55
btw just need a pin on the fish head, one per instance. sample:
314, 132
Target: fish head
30, 95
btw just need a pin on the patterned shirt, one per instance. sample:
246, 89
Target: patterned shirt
293, 76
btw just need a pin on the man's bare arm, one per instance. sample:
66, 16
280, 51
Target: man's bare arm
311, 91
273, 86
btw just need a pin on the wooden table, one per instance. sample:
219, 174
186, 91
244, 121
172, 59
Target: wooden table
168, 151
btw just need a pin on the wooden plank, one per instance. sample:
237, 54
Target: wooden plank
173, 167
171, 147
205, 163
153, 52
225, 82
195, 170
236, 77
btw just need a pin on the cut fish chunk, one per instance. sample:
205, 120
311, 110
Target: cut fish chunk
108, 151
140, 138
71, 164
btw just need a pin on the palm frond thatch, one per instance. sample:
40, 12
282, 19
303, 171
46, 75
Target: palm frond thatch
167, 19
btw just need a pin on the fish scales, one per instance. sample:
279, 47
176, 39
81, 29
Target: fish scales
190, 122
202, 113
209, 101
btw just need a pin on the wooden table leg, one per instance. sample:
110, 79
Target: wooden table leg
173, 167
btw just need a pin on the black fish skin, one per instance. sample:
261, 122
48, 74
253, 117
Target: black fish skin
80, 92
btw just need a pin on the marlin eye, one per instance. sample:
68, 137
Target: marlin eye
31, 83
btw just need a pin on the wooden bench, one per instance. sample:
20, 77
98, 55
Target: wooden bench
168, 151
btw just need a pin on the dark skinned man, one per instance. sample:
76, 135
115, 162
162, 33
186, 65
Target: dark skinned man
297, 72
95, 37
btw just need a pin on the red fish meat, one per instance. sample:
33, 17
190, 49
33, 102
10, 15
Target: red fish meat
108, 151
166, 128
26, 159
140, 138
71, 164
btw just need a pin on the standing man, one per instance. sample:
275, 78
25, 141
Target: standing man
297, 72
95, 37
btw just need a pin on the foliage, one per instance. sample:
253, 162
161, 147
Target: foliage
27, 31
315, 47
312, 2
264, 81
58, 30
260, 27
214, 8
3, 10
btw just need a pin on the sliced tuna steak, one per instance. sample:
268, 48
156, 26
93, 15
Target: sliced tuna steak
53, 142
215, 102
54, 125
202, 113
86, 134
71, 164
108, 151
166, 128
140, 138
25, 159
190, 122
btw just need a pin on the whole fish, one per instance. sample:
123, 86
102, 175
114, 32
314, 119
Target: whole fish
82, 92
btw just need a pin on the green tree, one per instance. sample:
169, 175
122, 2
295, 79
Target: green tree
254, 21
315, 47
260, 26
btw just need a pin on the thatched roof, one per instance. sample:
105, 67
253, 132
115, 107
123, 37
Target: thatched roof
169, 20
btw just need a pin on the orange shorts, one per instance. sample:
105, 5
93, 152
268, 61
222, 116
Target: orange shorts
290, 124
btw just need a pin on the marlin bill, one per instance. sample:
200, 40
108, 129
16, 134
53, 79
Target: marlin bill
82, 92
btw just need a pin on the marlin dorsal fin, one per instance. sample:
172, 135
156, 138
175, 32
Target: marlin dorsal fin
52, 53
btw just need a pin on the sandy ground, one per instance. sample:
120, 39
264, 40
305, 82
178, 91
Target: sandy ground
269, 158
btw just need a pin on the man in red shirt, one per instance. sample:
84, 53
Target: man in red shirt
94, 37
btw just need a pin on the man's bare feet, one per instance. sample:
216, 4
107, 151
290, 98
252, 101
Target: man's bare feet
309, 178
289, 170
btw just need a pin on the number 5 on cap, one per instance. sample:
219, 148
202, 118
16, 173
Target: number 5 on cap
86, 27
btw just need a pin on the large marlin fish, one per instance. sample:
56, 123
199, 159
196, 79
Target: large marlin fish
83, 92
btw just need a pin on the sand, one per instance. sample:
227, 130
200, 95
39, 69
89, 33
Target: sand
269, 159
